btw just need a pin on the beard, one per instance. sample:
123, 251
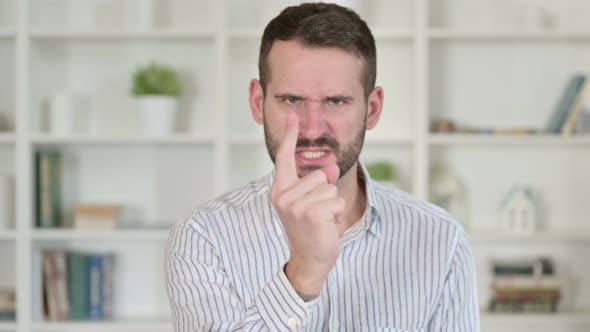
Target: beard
346, 156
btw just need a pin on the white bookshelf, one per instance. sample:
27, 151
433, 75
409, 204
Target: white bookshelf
7, 139
123, 35
7, 326
508, 35
542, 140
181, 139
563, 237
7, 235
144, 235
131, 326
531, 321
436, 58
6, 33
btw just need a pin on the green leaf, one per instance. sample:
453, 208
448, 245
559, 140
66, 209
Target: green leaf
156, 79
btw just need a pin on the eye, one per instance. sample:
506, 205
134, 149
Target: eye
291, 100
336, 101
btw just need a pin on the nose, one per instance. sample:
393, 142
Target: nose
311, 120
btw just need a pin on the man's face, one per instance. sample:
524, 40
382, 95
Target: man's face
323, 87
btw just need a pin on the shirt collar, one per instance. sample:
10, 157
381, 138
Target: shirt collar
371, 218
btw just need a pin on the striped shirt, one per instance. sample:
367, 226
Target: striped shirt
405, 266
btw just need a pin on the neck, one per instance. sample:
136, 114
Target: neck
352, 189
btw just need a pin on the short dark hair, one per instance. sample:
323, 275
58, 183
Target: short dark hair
321, 25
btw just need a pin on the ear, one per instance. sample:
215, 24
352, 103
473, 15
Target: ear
256, 101
375, 106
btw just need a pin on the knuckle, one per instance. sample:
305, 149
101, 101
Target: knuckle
332, 189
281, 201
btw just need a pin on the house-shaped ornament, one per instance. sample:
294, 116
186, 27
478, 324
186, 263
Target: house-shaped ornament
518, 212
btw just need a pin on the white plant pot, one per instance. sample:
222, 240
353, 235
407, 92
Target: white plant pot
68, 114
146, 14
158, 114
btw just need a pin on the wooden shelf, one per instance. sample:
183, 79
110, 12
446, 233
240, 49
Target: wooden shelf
106, 326
121, 35
180, 139
107, 235
516, 35
507, 140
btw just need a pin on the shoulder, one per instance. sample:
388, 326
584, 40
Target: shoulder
226, 208
393, 196
411, 209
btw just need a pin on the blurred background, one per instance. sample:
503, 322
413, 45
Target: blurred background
119, 117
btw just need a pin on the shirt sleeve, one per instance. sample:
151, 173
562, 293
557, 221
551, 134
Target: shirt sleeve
203, 298
458, 307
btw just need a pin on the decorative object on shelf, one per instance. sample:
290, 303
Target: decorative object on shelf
518, 212
7, 304
524, 285
77, 286
384, 172
535, 17
96, 217
48, 189
68, 114
146, 14
448, 192
567, 110
6, 121
442, 126
582, 125
157, 87
7, 201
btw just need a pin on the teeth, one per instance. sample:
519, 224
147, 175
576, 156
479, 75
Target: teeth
312, 154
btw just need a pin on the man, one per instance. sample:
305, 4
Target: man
317, 245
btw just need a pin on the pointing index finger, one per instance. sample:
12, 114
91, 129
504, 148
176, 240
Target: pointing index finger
285, 166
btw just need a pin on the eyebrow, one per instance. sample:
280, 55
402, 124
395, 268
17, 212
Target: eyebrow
286, 95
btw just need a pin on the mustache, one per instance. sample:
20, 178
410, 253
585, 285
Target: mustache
319, 142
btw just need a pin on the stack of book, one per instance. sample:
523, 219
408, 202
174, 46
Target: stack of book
77, 286
7, 304
524, 286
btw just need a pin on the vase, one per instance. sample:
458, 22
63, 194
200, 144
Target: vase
158, 114
68, 114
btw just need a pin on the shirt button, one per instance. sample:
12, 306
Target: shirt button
335, 324
292, 322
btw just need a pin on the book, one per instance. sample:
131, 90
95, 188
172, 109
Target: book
100, 301
49, 289
525, 282
576, 109
538, 267
56, 285
96, 281
96, 217
48, 189
78, 286
566, 103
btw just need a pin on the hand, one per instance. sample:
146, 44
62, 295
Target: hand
308, 208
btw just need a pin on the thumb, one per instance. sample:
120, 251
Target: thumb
332, 171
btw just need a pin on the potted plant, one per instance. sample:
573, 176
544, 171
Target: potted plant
384, 172
157, 88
